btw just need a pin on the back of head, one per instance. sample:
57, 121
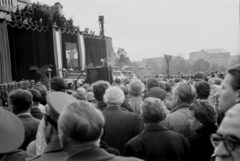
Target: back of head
58, 84
80, 96
21, 100
198, 76
204, 112
153, 110
80, 122
124, 89
217, 81
167, 87
203, 89
114, 96
152, 82
37, 97
157, 92
99, 89
136, 88
185, 92
117, 81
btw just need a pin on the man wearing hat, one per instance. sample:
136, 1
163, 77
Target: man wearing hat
11, 138
56, 101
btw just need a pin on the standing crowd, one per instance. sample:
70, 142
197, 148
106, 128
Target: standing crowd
187, 119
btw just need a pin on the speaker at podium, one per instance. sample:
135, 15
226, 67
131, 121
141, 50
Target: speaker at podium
99, 73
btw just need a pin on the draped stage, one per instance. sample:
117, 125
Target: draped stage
22, 46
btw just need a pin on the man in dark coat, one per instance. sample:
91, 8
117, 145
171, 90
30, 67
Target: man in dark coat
121, 126
20, 103
203, 122
80, 129
157, 142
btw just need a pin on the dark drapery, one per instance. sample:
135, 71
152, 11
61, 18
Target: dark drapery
95, 49
5, 60
30, 48
69, 38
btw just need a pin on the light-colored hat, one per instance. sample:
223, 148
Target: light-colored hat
11, 132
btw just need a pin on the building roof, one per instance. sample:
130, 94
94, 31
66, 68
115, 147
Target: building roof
218, 50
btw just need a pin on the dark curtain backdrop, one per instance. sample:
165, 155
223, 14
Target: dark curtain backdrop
30, 48
95, 50
5, 60
71, 38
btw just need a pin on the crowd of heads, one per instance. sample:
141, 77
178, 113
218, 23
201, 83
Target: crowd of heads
76, 118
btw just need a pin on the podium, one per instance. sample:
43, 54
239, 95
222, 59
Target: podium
99, 73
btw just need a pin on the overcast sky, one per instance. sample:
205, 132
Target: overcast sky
151, 28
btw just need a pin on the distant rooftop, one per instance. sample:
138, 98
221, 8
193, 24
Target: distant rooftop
218, 50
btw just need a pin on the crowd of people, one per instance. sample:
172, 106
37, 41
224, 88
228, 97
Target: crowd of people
194, 118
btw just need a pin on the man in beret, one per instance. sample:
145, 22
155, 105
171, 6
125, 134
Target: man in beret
56, 101
11, 138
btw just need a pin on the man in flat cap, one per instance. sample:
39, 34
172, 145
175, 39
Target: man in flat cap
56, 101
11, 137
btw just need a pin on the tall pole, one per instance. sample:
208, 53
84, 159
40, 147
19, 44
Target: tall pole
167, 58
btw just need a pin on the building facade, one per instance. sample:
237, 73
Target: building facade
11, 6
219, 57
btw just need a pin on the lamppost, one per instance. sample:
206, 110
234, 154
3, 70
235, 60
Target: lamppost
64, 71
49, 73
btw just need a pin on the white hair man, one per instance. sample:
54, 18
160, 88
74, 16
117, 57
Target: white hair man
121, 126
178, 120
80, 129
135, 88
157, 142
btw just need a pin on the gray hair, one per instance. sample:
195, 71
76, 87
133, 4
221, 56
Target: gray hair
114, 95
81, 122
136, 87
185, 92
153, 110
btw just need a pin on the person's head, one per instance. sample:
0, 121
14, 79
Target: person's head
80, 124
82, 90
136, 88
80, 96
99, 89
183, 93
167, 87
58, 84
37, 97
157, 93
114, 96
227, 139
124, 89
217, 81
56, 102
203, 89
203, 114
117, 81
20, 101
152, 111
199, 76
230, 94
152, 82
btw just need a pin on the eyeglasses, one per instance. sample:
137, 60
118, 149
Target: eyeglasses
230, 142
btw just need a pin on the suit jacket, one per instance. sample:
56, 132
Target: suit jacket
53, 152
36, 113
97, 154
120, 127
31, 126
177, 120
158, 143
135, 103
201, 145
